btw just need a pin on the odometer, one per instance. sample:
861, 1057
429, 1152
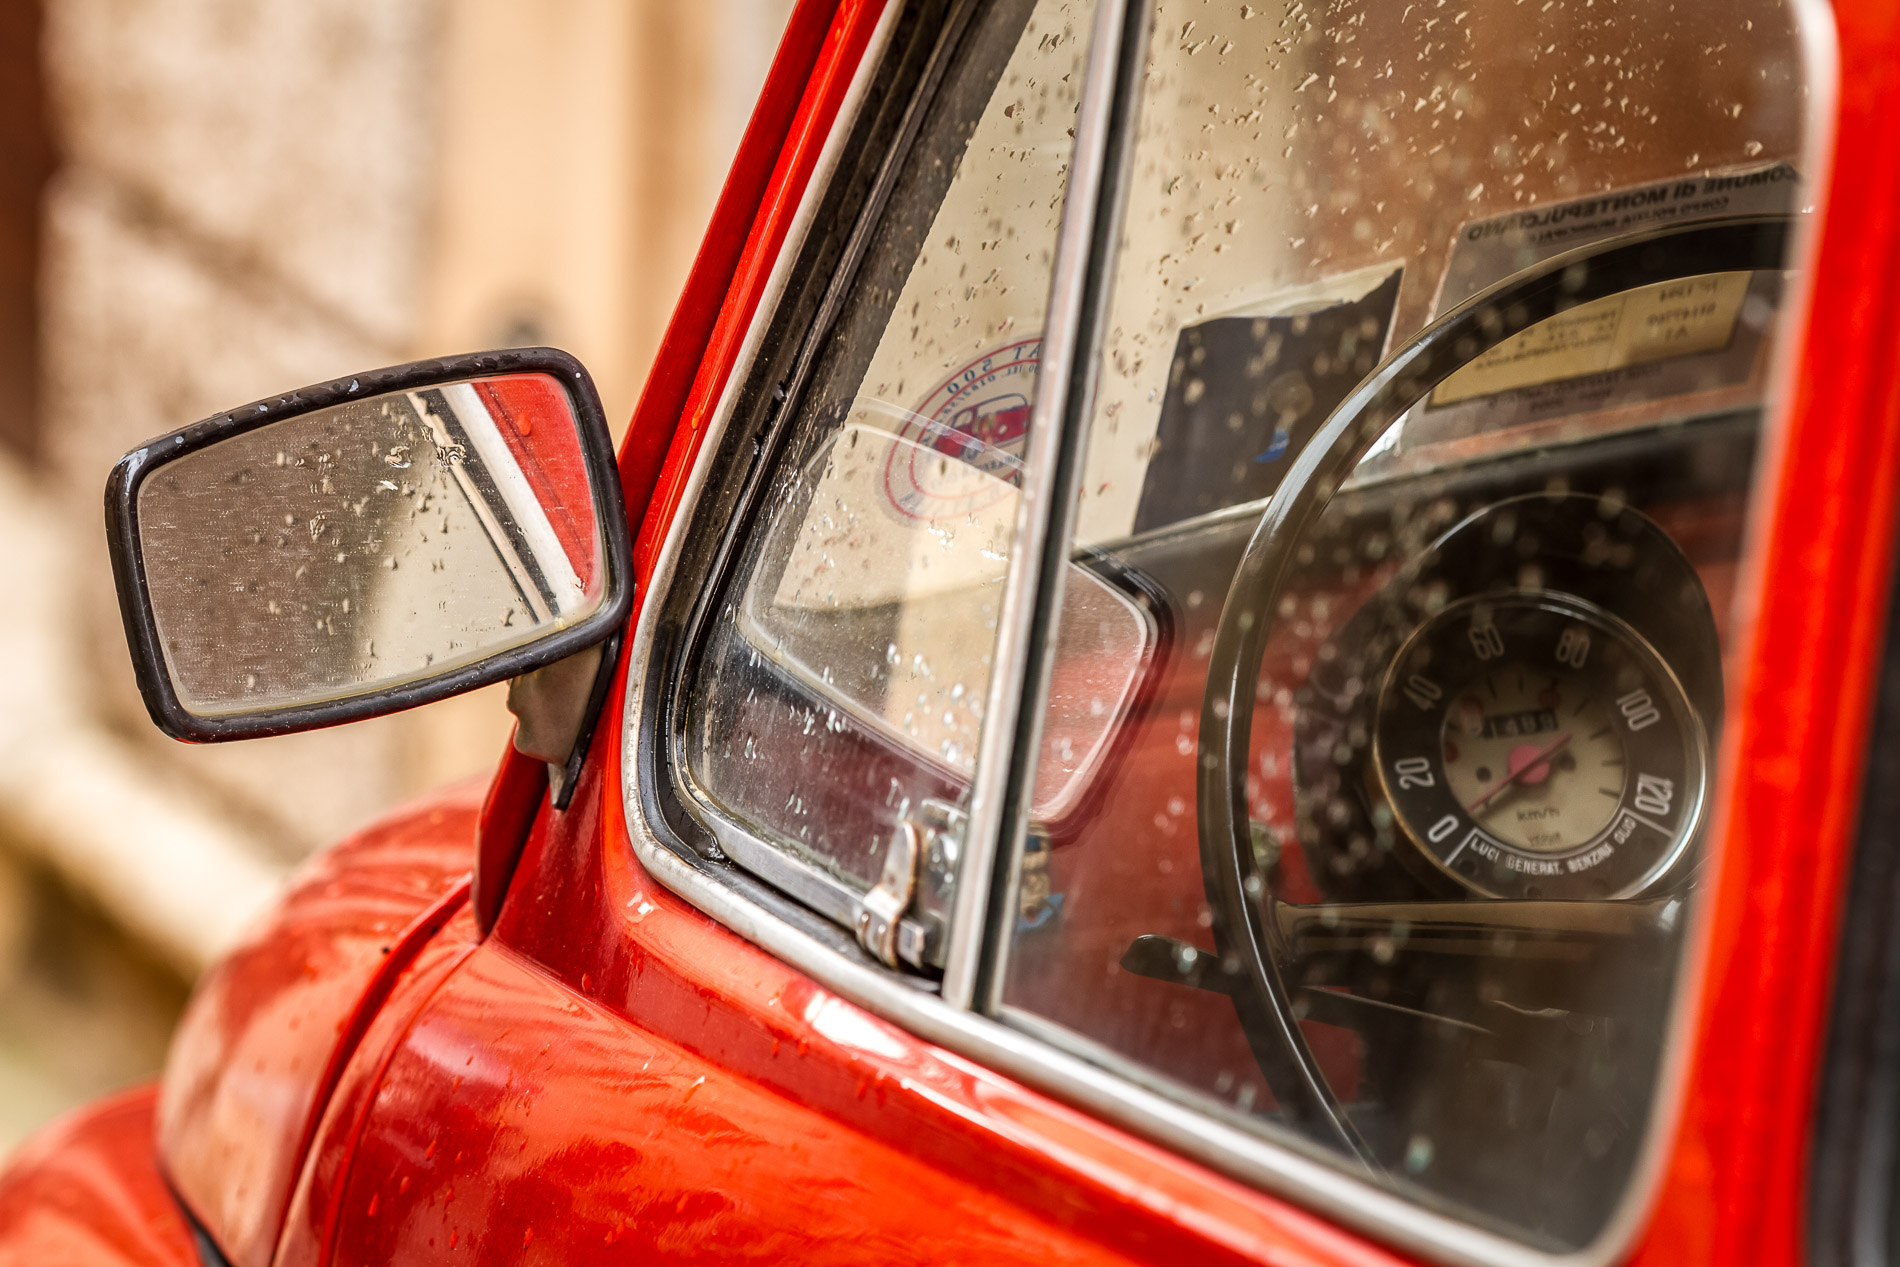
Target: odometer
1532, 745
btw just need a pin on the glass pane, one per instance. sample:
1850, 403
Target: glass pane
370, 544
844, 684
1391, 857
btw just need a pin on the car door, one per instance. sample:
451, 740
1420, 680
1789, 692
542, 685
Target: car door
836, 735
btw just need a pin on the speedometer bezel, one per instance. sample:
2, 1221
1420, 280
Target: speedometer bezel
1692, 776
1592, 546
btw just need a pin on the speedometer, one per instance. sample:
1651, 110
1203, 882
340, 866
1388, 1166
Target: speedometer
1532, 745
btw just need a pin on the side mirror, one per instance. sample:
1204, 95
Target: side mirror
369, 544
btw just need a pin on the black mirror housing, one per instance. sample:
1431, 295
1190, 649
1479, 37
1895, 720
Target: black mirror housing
369, 544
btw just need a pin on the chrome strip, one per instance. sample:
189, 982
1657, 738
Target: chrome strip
1314, 1184
837, 900
825, 894
1078, 411
976, 866
778, 866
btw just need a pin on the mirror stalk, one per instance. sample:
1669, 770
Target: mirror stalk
555, 708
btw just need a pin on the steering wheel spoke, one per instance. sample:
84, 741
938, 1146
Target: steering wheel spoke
1555, 933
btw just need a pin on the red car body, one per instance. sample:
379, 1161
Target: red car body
559, 1060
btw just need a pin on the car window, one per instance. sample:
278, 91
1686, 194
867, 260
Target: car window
1392, 855
841, 693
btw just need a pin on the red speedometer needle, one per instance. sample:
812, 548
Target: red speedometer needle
1520, 766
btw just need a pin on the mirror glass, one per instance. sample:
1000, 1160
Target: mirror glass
370, 544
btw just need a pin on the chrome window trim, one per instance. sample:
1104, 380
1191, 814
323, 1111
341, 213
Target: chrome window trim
1278, 1166
992, 793
782, 868
753, 850
1090, 249
1275, 1166
767, 860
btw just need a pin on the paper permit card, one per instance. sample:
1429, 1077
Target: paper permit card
1652, 354
1652, 323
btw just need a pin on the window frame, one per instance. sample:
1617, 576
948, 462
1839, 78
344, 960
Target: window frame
962, 1015
907, 55
1855, 1168
750, 441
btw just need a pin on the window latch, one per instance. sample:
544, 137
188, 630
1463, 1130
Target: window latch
919, 867
887, 901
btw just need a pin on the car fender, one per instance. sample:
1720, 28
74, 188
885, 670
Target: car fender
86, 1191
271, 1028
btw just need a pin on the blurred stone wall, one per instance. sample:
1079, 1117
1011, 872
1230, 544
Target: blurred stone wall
248, 196
241, 207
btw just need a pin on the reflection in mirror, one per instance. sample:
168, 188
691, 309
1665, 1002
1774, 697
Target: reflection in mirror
370, 544
894, 552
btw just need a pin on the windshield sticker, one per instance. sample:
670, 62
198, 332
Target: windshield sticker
980, 417
1245, 394
1652, 323
1693, 347
906, 502
1488, 251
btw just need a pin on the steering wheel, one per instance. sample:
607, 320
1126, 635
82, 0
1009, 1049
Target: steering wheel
1256, 932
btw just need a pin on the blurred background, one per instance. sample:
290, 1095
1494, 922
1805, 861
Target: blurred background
203, 202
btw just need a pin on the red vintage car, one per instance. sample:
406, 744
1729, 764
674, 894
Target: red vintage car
1226, 632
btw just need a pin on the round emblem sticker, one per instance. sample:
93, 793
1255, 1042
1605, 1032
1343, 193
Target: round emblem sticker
964, 449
